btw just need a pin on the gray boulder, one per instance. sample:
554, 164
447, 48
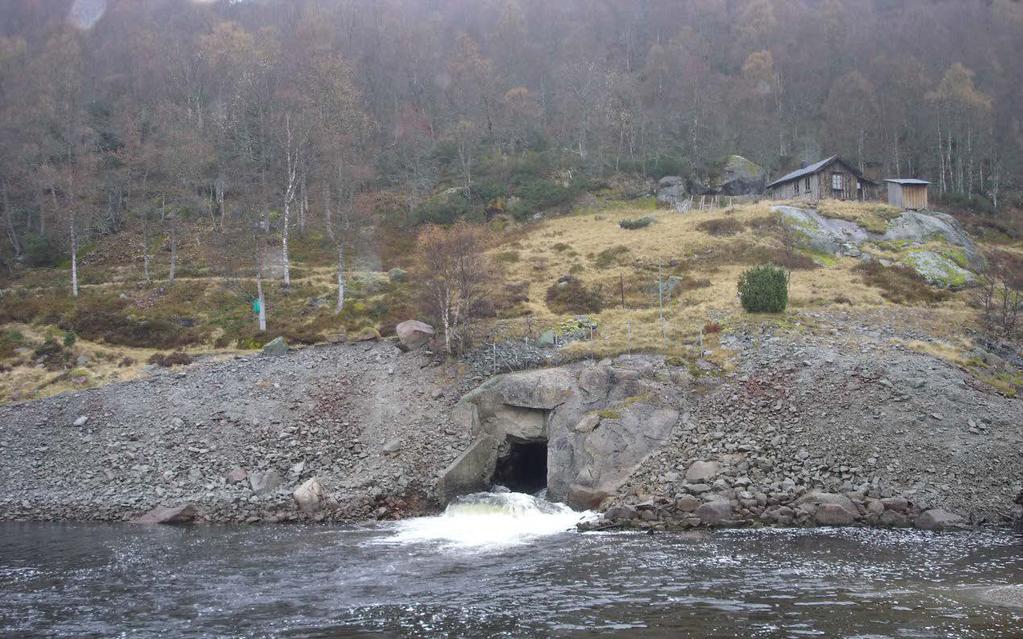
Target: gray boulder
742, 177
938, 270
169, 515
671, 191
310, 495
414, 334
937, 519
264, 482
276, 347
236, 475
397, 275
833, 515
702, 471
714, 512
823, 234
915, 226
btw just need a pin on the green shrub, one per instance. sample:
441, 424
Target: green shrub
764, 289
40, 251
69, 339
635, 223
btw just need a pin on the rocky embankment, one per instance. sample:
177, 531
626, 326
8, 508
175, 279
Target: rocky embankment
361, 427
815, 432
823, 426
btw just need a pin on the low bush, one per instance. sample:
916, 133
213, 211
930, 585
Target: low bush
52, 355
721, 226
177, 358
899, 284
635, 223
711, 327
610, 256
570, 295
116, 327
764, 289
40, 251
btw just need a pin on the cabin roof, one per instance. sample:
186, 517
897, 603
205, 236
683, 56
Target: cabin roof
907, 181
816, 167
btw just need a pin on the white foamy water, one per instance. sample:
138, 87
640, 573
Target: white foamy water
490, 520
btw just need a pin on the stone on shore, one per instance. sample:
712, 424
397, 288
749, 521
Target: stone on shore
714, 512
264, 482
414, 334
937, 519
310, 496
276, 347
169, 515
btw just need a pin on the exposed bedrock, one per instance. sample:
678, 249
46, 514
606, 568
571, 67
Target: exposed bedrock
599, 422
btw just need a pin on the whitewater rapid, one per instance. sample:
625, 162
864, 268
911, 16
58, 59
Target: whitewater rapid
491, 520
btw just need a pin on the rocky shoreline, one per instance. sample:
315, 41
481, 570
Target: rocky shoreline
823, 428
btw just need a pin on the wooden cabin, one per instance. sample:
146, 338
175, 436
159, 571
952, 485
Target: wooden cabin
831, 178
908, 194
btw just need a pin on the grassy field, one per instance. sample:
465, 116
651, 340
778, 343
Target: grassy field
668, 286
703, 254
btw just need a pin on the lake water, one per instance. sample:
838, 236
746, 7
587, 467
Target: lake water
506, 569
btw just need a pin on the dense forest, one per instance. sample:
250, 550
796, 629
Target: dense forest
266, 117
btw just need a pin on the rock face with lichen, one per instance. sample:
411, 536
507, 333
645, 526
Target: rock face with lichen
742, 177
932, 244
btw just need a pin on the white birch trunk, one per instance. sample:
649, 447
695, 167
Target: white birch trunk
145, 247
74, 258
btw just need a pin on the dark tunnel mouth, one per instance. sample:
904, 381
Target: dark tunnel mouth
523, 469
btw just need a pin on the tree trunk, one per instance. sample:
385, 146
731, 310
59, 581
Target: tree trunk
218, 186
328, 213
12, 232
145, 247
340, 277
261, 313
284, 245
74, 257
174, 247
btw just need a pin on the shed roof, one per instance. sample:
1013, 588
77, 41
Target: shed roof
816, 167
907, 181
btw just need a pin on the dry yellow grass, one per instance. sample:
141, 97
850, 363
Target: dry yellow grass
674, 245
105, 364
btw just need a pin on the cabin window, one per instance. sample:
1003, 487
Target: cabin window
795, 187
836, 181
806, 184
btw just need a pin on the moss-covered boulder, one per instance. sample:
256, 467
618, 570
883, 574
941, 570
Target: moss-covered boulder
938, 270
742, 177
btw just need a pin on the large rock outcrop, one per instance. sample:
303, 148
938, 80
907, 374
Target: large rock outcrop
671, 191
742, 177
910, 235
599, 422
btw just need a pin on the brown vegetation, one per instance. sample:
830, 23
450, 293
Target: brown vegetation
899, 284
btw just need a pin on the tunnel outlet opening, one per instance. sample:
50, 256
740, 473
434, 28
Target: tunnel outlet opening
523, 468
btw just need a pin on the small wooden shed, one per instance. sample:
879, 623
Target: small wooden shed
907, 193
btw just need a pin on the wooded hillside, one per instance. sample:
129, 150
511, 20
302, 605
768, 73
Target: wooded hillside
265, 118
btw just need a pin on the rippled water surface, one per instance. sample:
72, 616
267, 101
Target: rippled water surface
406, 580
